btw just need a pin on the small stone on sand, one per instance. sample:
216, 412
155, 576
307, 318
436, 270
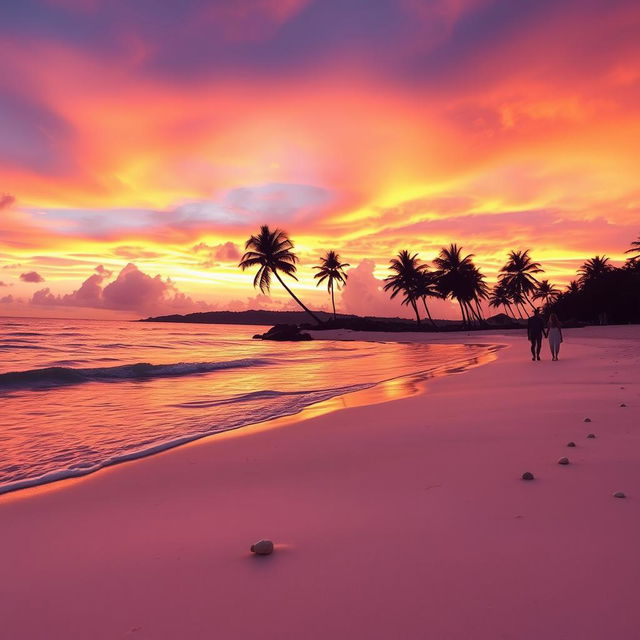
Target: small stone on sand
527, 475
587, 419
563, 460
262, 548
623, 405
571, 444
619, 494
591, 435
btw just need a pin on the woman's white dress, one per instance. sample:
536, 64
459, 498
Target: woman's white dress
555, 337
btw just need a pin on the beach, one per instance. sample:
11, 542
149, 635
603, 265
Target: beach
398, 519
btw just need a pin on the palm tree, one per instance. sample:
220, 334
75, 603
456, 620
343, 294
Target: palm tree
458, 279
546, 292
517, 275
573, 287
405, 279
427, 287
593, 269
481, 290
331, 270
272, 250
635, 248
500, 298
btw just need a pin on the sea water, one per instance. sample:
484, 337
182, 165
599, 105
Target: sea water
77, 395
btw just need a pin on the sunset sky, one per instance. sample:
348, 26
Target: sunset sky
142, 142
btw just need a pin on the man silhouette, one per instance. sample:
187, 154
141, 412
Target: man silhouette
535, 330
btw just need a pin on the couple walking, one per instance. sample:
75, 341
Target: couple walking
536, 329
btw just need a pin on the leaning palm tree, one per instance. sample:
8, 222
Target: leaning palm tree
272, 251
331, 270
593, 269
406, 269
517, 275
457, 279
546, 292
635, 248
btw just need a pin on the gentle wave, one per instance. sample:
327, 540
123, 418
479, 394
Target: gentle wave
58, 376
76, 470
268, 394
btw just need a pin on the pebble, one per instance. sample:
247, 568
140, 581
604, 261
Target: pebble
591, 435
262, 547
623, 405
527, 475
619, 494
563, 460
587, 419
571, 444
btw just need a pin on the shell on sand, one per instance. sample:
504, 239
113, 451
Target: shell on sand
563, 460
587, 419
619, 494
591, 435
623, 405
262, 547
571, 444
527, 475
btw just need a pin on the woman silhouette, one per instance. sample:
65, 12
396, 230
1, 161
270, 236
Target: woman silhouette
554, 333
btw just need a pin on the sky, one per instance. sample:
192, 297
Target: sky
142, 143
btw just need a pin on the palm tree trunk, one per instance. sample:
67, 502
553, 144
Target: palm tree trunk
333, 303
471, 312
415, 308
293, 295
464, 317
478, 309
426, 308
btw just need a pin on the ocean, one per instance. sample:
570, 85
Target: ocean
78, 395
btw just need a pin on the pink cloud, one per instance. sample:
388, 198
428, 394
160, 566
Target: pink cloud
262, 301
363, 295
227, 252
6, 201
132, 290
31, 276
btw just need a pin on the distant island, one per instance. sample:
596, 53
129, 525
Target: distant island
300, 318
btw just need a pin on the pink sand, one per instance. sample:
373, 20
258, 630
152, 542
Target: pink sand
406, 519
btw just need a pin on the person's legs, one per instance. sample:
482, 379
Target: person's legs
533, 348
538, 344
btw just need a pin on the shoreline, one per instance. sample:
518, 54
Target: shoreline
405, 519
376, 393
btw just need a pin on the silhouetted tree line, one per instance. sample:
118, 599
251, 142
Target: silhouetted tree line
601, 293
